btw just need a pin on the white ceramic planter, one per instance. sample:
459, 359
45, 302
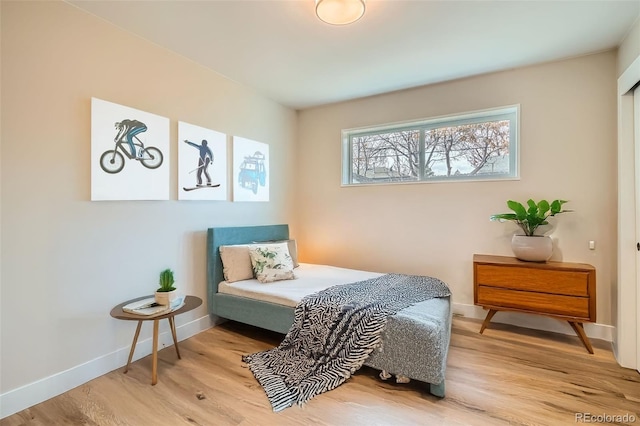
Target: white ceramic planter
166, 297
537, 248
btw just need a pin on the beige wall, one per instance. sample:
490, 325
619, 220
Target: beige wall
568, 150
629, 49
66, 261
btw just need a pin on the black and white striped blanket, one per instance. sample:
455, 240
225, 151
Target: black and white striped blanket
333, 333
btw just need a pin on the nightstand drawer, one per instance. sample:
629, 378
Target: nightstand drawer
570, 283
566, 306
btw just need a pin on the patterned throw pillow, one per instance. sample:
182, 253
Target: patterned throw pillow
293, 248
271, 262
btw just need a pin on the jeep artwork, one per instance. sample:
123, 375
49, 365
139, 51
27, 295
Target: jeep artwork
252, 172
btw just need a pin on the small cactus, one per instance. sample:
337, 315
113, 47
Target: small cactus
166, 281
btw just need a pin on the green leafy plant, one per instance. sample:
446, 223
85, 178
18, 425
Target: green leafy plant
530, 217
166, 281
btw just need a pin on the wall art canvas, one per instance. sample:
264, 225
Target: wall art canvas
202, 163
129, 153
250, 170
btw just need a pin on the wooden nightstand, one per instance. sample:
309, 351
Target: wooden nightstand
561, 290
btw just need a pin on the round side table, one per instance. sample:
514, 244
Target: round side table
190, 303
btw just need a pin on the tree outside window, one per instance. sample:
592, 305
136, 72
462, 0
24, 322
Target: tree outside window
472, 146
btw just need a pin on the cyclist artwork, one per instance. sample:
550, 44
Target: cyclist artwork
112, 161
129, 128
130, 153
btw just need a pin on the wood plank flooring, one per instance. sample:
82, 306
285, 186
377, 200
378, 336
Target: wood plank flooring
508, 376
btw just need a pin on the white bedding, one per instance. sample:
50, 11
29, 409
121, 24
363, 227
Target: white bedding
310, 278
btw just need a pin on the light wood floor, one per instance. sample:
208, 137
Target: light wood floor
509, 375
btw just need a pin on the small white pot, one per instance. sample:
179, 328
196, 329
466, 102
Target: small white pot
166, 297
536, 248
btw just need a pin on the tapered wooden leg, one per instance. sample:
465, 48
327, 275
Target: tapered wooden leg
133, 346
579, 329
154, 359
172, 324
487, 320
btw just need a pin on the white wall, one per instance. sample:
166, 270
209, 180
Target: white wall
66, 261
568, 150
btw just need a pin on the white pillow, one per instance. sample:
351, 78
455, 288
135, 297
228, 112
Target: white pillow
236, 262
271, 262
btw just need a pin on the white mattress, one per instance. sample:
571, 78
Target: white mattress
310, 278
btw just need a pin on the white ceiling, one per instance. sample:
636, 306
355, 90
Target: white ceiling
283, 51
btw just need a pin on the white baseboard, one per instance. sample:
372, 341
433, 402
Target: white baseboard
34, 393
537, 322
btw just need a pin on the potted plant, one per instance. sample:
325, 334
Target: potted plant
167, 292
531, 247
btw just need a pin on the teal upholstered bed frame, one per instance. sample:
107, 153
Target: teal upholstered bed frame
261, 314
279, 318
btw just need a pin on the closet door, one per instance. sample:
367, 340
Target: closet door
636, 127
627, 331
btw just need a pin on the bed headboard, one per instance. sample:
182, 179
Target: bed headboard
217, 237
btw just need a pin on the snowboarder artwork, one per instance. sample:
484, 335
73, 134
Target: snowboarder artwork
250, 170
202, 166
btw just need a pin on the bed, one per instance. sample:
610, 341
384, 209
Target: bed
415, 341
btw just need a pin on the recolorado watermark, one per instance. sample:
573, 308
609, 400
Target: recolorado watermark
605, 418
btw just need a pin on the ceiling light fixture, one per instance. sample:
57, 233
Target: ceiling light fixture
339, 12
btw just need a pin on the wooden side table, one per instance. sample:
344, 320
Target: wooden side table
561, 290
190, 303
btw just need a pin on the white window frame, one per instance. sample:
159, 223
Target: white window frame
510, 112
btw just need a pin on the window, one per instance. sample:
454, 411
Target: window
473, 146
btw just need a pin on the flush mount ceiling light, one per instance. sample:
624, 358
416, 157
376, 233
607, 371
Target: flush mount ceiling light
339, 12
